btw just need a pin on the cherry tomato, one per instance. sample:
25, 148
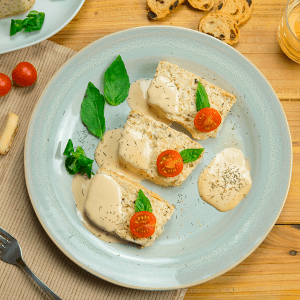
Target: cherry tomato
207, 119
169, 163
24, 74
142, 224
5, 84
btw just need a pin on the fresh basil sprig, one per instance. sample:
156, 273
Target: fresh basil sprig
201, 97
33, 22
116, 82
76, 161
190, 155
92, 111
142, 203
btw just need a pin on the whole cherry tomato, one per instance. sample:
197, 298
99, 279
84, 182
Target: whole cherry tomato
24, 74
5, 84
142, 224
207, 119
169, 163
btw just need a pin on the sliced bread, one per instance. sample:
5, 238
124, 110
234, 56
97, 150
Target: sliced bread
159, 9
129, 189
160, 137
14, 7
186, 84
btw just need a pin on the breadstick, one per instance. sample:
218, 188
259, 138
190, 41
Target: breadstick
9, 132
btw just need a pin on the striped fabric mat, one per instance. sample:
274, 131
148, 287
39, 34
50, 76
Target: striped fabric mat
17, 216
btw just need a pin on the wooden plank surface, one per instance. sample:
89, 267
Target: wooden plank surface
273, 270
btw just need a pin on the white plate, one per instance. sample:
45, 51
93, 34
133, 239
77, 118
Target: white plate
199, 242
58, 13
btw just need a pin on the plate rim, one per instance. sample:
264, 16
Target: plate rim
184, 285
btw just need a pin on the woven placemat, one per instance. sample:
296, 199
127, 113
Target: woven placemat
17, 216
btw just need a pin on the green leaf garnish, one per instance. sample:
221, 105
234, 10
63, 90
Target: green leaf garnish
33, 22
201, 97
76, 161
142, 203
190, 155
92, 111
116, 82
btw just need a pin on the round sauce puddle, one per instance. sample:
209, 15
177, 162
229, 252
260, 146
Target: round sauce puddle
226, 181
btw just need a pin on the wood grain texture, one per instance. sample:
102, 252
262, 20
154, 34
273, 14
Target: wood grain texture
273, 270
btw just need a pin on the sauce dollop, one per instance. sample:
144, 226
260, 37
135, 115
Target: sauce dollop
226, 180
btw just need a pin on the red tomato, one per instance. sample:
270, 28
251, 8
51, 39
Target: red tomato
24, 74
169, 163
207, 119
5, 84
142, 224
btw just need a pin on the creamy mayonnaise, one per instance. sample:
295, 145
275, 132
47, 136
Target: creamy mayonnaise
226, 180
138, 100
134, 148
80, 187
104, 202
106, 154
164, 94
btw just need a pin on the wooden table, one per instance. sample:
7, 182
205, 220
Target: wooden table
273, 270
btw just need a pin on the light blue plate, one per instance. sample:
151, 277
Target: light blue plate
58, 13
199, 242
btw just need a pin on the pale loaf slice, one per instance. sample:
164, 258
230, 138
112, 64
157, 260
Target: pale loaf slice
186, 83
161, 208
14, 7
161, 137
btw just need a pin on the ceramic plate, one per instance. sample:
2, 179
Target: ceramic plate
57, 15
199, 242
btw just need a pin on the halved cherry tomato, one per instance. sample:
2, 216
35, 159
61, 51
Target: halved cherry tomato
142, 224
5, 84
169, 163
207, 119
24, 74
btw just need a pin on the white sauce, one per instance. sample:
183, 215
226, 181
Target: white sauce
103, 202
80, 186
135, 149
164, 94
226, 180
138, 100
106, 154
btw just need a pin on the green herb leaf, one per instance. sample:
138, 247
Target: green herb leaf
142, 203
15, 26
33, 22
201, 97
190, 155
116, 82
76, 161
92, 111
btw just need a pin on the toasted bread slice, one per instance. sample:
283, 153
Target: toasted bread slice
159, 9
161, 137
14, 7
186, 83
161, 208
204, 5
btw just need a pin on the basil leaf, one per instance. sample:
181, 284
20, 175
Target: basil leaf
116, 82
15, 26
33, 22
92, 111
77, 162
190, 155
69, 148
142, 203
201, 97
